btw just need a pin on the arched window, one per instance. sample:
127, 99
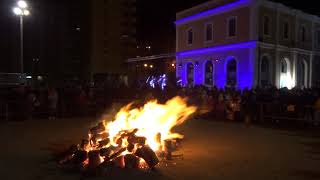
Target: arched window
190, 73
285, 75
302, 74
265, 71
232, 73
209, 73
284, 66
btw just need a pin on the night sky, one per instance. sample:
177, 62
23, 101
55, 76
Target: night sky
156, 19
156, 22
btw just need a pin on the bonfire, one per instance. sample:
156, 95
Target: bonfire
136, 138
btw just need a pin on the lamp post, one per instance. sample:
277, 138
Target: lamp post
21, 10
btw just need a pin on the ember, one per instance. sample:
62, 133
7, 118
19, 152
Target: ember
135, 139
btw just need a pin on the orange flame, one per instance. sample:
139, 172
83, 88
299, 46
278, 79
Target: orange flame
150, 120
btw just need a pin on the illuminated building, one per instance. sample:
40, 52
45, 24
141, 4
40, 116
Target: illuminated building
247, 43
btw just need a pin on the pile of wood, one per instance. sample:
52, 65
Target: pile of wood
131, 151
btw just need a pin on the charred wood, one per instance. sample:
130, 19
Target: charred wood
148, 155
131, 161
94, 159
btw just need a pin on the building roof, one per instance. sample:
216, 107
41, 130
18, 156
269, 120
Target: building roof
210, 7
202, 8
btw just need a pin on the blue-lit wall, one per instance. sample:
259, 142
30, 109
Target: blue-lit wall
243, 53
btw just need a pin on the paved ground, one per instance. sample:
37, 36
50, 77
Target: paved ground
212, 150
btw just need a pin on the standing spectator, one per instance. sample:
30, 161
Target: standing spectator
220, 107
229, 109
32, 103
237, 107
52, 103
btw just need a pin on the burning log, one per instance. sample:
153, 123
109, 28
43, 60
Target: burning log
168, 144
148, 155
132, 133
119, 162
130, 147
99, 129
106, 152
177, 143
116, 154
119, 141
94, 159
128, 143
137, 140
103, 143
131, 161
99, 137
84, 144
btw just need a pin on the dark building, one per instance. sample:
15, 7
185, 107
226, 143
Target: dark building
113, 35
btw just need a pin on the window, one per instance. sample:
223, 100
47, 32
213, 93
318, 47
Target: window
232, 73
285, 76
303, 33
209, 32
264, 72
266, 25
318, 38
286, 30
302, 73
190, 74
190, 36
208, 73
232, 27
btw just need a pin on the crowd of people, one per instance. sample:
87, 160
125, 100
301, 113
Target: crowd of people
71, 100
255, 104
50, 102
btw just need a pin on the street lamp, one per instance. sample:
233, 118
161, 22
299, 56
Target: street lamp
21, 10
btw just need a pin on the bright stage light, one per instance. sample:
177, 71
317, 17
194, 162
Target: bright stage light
22, 4
17, 11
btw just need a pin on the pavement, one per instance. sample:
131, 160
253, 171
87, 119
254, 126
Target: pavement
211, 150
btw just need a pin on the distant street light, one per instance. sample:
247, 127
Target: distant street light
21, 10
